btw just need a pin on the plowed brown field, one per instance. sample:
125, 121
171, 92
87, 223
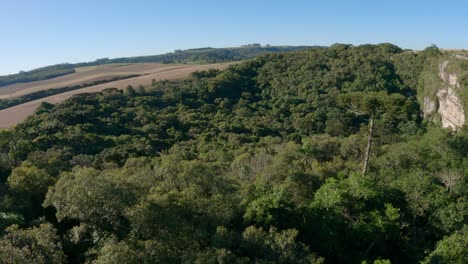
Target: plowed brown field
148, 72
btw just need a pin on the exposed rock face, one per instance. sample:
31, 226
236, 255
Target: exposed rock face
430, 107
449, 78
448, 105
450, 108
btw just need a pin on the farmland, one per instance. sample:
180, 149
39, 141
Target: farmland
146, 71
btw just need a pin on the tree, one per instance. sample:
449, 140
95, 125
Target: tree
117, 252
33, 245
141, 90
276, 246
354, 217
8, 219
9, 147
129, 91
91, 197
371, 105
27, 188
452, 249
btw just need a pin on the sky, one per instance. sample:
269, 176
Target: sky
37, 33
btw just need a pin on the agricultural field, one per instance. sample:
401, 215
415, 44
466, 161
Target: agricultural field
85, 75
146, 71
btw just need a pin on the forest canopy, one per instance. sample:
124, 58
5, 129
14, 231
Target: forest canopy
259, 163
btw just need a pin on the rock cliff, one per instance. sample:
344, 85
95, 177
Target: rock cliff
448, 103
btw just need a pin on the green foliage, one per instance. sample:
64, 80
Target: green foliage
255, 164
267, 210
8, 219
366, 218
92, 197
276, 247
451, 249
321, 147
27, 186
117, 252
33, 245
28, 179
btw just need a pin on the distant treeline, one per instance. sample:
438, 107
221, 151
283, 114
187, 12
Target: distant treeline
36, 75
47, 72
208, 55
202, 55
6, 103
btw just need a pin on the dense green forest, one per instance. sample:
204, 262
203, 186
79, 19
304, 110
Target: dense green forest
316, 156
203, 55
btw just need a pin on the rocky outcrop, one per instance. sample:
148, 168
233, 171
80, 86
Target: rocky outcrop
430, 107
449, 106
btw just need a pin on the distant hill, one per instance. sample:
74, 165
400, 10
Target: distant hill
190, 56
210, 55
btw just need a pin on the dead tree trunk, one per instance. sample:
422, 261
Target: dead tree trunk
369, 145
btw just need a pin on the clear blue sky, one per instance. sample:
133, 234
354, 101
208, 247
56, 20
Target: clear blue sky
42, 32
